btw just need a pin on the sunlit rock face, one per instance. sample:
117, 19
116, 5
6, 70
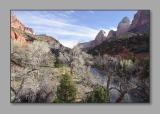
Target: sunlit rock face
100, 37
17, 31
123, 26
15, 23
141, 22
111, 34
17, 38
28, 30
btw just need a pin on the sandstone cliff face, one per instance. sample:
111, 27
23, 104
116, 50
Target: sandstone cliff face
111, 34
123, 26
18, 38
28, 30
15, 23
141, 22
18, 30
100, 37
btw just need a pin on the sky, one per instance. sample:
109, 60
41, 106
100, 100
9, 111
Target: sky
71, 27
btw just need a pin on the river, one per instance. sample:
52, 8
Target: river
101, 79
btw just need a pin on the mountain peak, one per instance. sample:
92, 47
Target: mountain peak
111, 34
125, 20
16, 23
141, 21
101, 36
123, 26
101, 32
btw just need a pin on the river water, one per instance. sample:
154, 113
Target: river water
101, 79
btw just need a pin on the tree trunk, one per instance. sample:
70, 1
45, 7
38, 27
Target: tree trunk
108, 83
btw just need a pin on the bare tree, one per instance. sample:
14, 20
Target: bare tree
28, 64
80, 61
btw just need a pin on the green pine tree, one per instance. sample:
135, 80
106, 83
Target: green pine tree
66, 91
98, 95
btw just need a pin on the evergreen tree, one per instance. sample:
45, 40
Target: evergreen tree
98, 95
66, 91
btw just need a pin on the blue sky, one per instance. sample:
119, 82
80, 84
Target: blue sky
72, 27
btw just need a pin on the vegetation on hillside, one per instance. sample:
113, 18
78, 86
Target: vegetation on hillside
135, 44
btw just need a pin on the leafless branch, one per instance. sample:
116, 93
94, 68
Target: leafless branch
115, 89
16, 63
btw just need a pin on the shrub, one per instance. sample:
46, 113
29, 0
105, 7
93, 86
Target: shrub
98, 95
146, 68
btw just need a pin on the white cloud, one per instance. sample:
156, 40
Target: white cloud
60, 27
69, 43
113, 28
